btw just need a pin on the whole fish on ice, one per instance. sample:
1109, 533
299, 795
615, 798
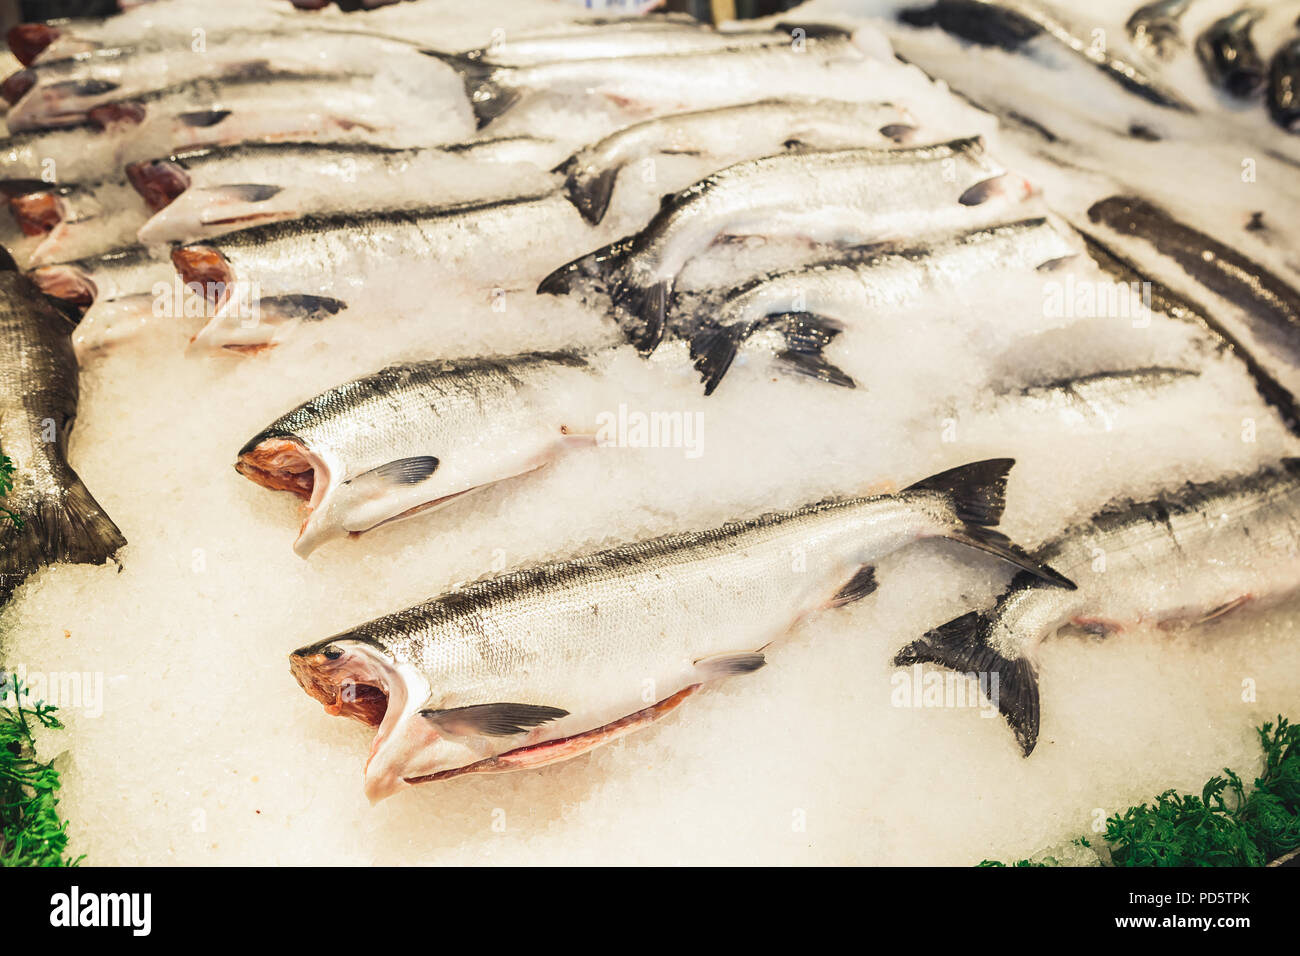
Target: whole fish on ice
728, 134
782, 58
1270, 304
206, 192
535, 666
265, 280
260, 102
417, 436
58, 520
66, 92
1015, 24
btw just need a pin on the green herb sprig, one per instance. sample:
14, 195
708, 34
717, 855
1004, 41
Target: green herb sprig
31, 831
1225, 825
6, 486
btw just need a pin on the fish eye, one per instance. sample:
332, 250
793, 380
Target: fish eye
332, 652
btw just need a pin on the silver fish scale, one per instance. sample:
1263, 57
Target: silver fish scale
874, 279
343, 244
586, 634
1179, 556
864, 186
722, 130
38, 381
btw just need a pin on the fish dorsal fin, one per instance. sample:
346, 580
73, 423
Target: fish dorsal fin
491, 720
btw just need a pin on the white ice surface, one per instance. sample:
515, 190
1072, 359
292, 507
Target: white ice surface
206, 751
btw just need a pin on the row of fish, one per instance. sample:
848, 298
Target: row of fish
862, 211
1226, 48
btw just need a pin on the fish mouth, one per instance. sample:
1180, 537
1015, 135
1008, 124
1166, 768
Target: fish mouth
158, 181
109, 115
286, 464
27, 41
342, 683
206, 268
16, 85
280, 464
37, 213
206, 271
66, 282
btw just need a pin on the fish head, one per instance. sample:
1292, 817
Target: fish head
355, 476
70, 281
158, 181
184, 213
356, 676
283, 462
239, 318
350, 675
339, 504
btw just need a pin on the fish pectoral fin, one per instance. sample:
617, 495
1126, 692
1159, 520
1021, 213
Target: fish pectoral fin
402, 471
492, 720
856, 588
243, 192
718, 666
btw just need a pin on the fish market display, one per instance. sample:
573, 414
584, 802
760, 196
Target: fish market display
587, 359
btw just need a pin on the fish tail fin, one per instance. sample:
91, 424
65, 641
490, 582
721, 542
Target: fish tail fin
962, 645
595, 268
487, 97
714, 348
589, 193
72, 529
977, 494
641, 309
646, 307
806, 335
